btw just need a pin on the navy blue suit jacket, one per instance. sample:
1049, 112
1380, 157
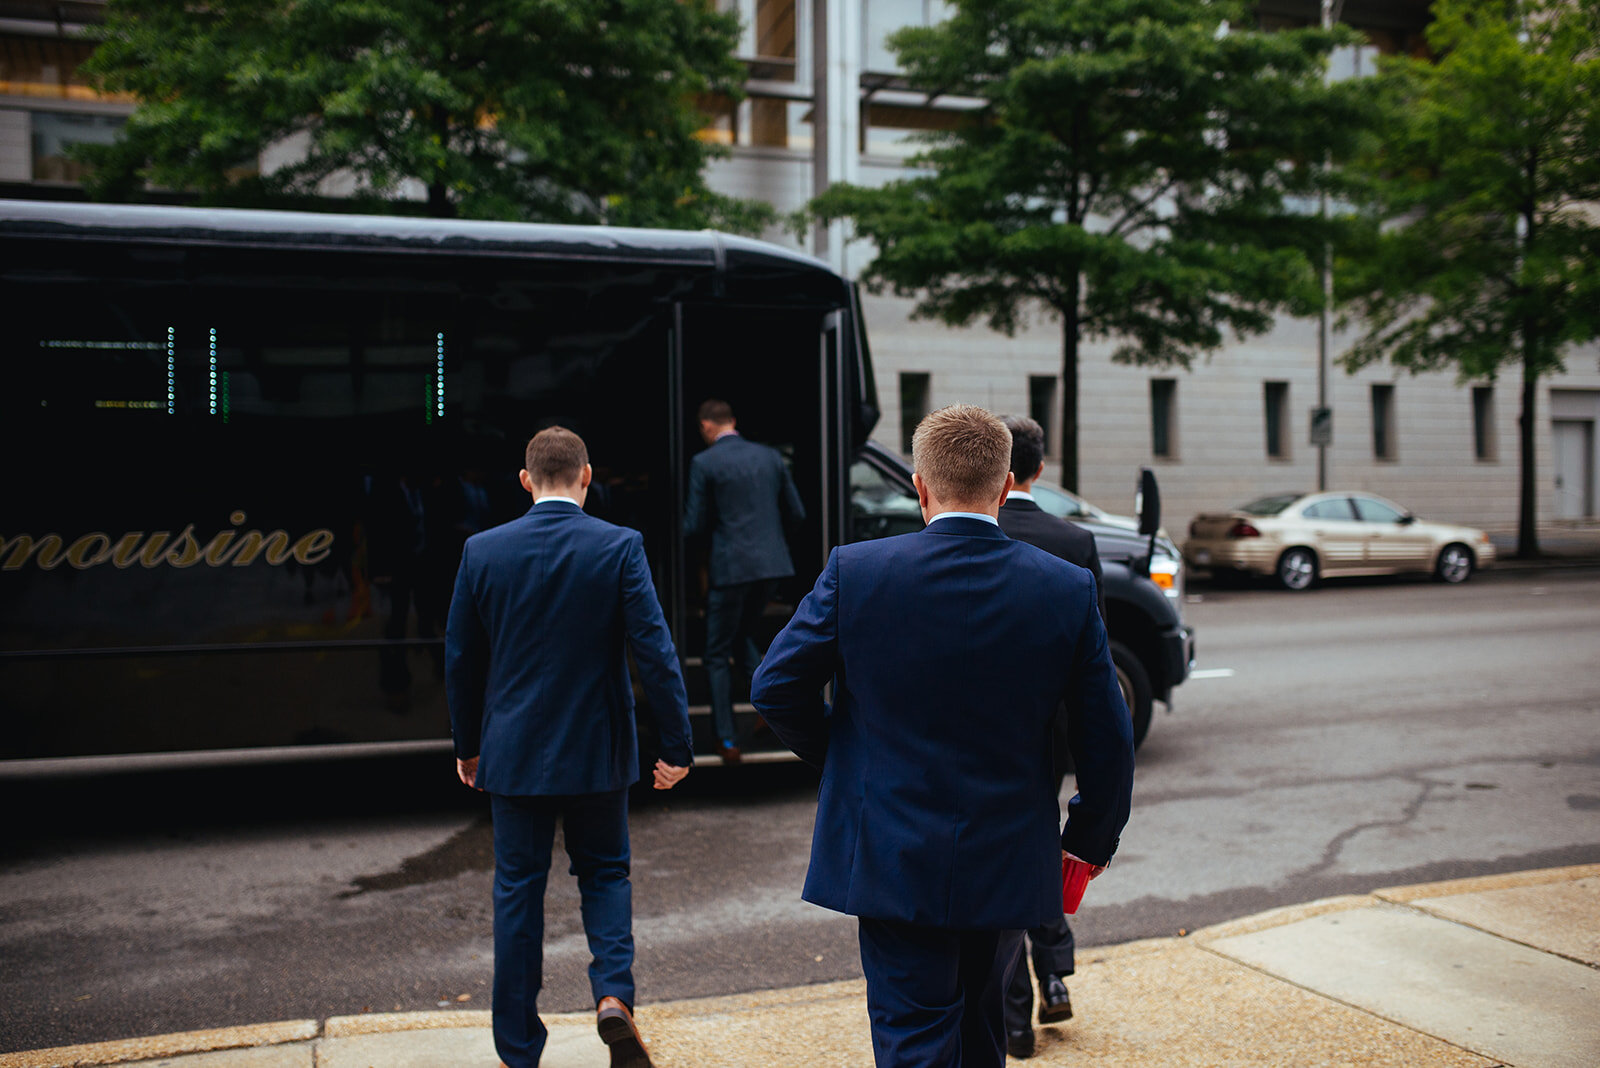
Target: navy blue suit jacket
950, 650
743, 494
535, 666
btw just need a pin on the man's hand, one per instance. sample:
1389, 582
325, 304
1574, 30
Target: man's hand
1094, 869
668, 775
468, 770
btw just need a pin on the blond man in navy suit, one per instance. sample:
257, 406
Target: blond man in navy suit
950, 651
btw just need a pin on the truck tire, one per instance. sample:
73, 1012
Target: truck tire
1136, 690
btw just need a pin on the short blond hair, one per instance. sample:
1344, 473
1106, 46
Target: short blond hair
962, 453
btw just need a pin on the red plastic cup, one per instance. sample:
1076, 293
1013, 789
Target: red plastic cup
1074, 880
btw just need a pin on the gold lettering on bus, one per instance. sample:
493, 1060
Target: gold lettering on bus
314, 547
186, 551
79, 553
46, 552
234, 546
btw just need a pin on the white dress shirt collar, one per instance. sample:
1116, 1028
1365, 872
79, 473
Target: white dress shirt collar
964, 515
555, 497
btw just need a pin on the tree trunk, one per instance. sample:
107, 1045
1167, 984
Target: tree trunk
439, 203
1069, 397
1527, 513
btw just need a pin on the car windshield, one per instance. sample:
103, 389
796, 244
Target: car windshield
1270, 505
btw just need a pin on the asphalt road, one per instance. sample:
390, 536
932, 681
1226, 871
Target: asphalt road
1356, 736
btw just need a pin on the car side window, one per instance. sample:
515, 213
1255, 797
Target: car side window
1057, 504
1337, 508
1375, 511
879, 507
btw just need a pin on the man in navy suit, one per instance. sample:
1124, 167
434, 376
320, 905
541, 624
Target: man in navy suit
743, 494
1052, 945
950, 651
541, 710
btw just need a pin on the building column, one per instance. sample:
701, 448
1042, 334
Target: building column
836, 118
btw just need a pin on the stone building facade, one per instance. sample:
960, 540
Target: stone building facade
826, 105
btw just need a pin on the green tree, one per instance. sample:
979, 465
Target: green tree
1134, 172
1492, 167
545, 110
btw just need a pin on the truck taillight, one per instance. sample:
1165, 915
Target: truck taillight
1241, 529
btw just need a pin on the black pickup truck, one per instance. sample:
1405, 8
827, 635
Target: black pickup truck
1150, 644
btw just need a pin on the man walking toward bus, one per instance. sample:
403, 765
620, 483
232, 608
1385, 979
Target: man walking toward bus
1050, 945
743, 494
950, 651
541, 712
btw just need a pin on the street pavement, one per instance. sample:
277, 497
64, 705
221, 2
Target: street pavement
1499, 970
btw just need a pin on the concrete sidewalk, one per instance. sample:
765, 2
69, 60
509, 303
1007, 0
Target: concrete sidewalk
1563, 543
1503, 970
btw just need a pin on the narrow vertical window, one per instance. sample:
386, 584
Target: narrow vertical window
1383, 444
1275, 402
1042, 408
1483, 439
1163, 417
913, 405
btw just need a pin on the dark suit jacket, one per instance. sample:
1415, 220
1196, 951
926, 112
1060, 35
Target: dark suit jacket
534, 661
742, 493
1025, 521
950, 651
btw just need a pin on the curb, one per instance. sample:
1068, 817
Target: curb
132, 1051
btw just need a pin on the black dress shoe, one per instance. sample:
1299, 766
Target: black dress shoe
1054, 1004
1019, 1044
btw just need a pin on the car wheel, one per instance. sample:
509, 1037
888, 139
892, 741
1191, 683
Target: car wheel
1297, 569
1455, 563
1136, 691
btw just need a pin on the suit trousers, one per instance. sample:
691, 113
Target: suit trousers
732, 615
934, 995
1053, 954
595, 829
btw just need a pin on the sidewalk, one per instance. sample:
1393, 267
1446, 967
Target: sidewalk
1563, 543
1502, 970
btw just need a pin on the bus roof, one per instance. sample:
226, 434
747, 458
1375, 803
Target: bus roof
706, 250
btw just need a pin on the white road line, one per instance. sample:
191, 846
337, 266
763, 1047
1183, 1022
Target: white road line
1212, 673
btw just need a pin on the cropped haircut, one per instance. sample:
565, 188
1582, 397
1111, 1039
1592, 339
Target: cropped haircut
962, 453
716, 411
555, 457
1027, 446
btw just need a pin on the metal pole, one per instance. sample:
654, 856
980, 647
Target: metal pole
1327, 300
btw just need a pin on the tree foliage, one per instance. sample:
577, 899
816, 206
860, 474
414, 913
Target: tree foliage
1484, 250
553, 110
1135, 169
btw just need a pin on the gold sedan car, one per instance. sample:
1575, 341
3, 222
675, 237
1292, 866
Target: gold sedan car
1299, 537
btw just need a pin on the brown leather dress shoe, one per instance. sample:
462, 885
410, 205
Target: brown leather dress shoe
730, 754
620, 1034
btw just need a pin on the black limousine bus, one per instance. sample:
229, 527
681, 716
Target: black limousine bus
242, 451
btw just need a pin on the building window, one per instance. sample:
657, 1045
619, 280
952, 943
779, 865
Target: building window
47, 67
1383, 444
1275, 400
1163, 417
880, 18
897, 132
1483, 439
56, 133
913, 405
1042, 408
768, 43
